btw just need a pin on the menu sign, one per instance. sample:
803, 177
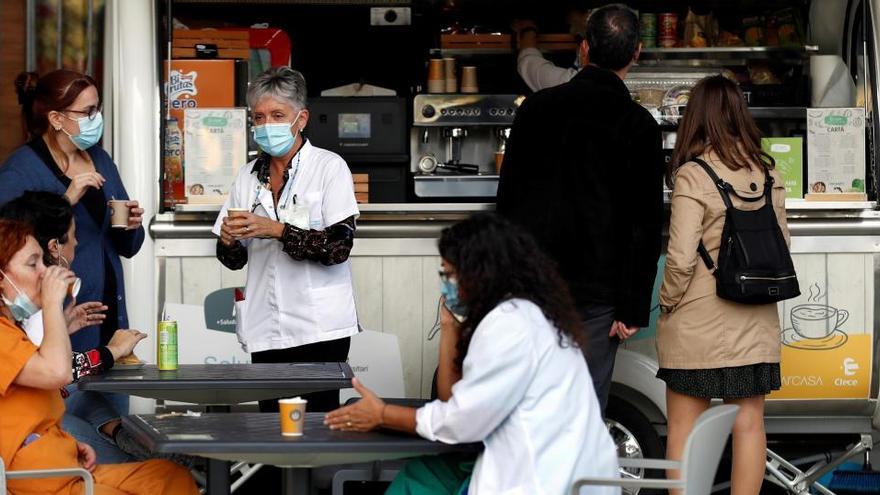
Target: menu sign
788, 156
215, 146
836, 150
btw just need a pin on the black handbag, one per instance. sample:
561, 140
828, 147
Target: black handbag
754, 263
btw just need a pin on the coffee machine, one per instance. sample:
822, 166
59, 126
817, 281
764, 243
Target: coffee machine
457, 142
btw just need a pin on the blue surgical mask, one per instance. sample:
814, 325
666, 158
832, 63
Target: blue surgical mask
22, 307
90, 132
275, 139
449, 290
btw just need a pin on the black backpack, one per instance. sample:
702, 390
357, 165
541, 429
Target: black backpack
754, 263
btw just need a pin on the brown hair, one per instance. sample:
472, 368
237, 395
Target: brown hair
717, 117
55, 91
13, 236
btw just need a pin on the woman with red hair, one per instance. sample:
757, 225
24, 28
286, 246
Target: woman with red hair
31, 379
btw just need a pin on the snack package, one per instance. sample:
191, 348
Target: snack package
727, 39
700, 31
754, 34
761, 74
789, 27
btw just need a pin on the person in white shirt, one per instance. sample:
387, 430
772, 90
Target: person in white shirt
511, 375
536, 71
294, 230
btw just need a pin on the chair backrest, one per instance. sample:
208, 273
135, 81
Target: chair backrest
704, 447
375, 359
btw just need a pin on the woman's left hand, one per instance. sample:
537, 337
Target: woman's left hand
135, 215
250, 225
363, 415
87, 457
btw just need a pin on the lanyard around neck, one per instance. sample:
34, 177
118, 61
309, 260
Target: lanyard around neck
286, 195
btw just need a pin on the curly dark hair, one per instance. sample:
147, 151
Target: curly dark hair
494, 261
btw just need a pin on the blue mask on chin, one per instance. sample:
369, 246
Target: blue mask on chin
449, 290
22, 307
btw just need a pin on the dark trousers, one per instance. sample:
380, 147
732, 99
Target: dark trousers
330, 351
601, 349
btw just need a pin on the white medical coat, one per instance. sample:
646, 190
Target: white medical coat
290, 303
531, 402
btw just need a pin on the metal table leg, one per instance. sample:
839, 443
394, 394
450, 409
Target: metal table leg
218, 477
218, 471
295, 481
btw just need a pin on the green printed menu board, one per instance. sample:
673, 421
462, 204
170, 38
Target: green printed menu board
788, 152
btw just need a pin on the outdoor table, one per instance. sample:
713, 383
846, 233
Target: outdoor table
220, 386
256, 438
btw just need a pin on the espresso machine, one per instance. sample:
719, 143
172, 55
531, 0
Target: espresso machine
457, 142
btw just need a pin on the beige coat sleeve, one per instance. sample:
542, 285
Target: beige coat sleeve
685, 232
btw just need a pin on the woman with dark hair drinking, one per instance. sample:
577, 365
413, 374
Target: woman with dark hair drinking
709, 347
511, 375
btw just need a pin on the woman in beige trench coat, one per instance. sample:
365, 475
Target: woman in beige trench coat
709, 347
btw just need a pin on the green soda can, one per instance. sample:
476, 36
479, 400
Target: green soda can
166, 356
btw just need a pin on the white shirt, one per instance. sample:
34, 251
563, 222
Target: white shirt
538, 72
290, 303
531, 402
33, 327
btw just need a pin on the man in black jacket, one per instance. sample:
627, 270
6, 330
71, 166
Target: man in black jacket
583, 173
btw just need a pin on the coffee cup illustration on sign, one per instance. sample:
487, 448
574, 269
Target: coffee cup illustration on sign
815, 326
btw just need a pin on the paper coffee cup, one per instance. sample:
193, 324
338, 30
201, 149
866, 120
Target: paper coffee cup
119, 213
234, 212
469, 79
293, 416
73, 288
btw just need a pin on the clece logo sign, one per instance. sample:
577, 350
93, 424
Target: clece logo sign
850, 366
181, 88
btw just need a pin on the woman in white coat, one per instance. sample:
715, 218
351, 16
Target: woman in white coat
295, 234
510, 375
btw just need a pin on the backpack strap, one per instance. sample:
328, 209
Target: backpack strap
707, 260
726, 190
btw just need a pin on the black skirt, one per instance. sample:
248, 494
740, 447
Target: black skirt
737, 382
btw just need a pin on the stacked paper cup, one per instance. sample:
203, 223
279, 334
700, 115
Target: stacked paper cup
436, 78
449, 75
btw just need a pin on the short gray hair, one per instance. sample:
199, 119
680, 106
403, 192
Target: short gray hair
282, 83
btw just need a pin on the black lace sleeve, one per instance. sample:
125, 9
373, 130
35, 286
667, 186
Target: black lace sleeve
233, 257
330, 246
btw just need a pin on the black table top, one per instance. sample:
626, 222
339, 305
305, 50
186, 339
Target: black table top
223, 376
250, 435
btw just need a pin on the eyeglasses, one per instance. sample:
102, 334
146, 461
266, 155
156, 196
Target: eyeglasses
445, 276
91, 112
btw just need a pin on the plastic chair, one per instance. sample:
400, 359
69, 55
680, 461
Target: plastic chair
702, 453
46, 473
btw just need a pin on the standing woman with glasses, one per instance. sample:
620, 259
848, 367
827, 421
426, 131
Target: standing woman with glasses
62, 114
